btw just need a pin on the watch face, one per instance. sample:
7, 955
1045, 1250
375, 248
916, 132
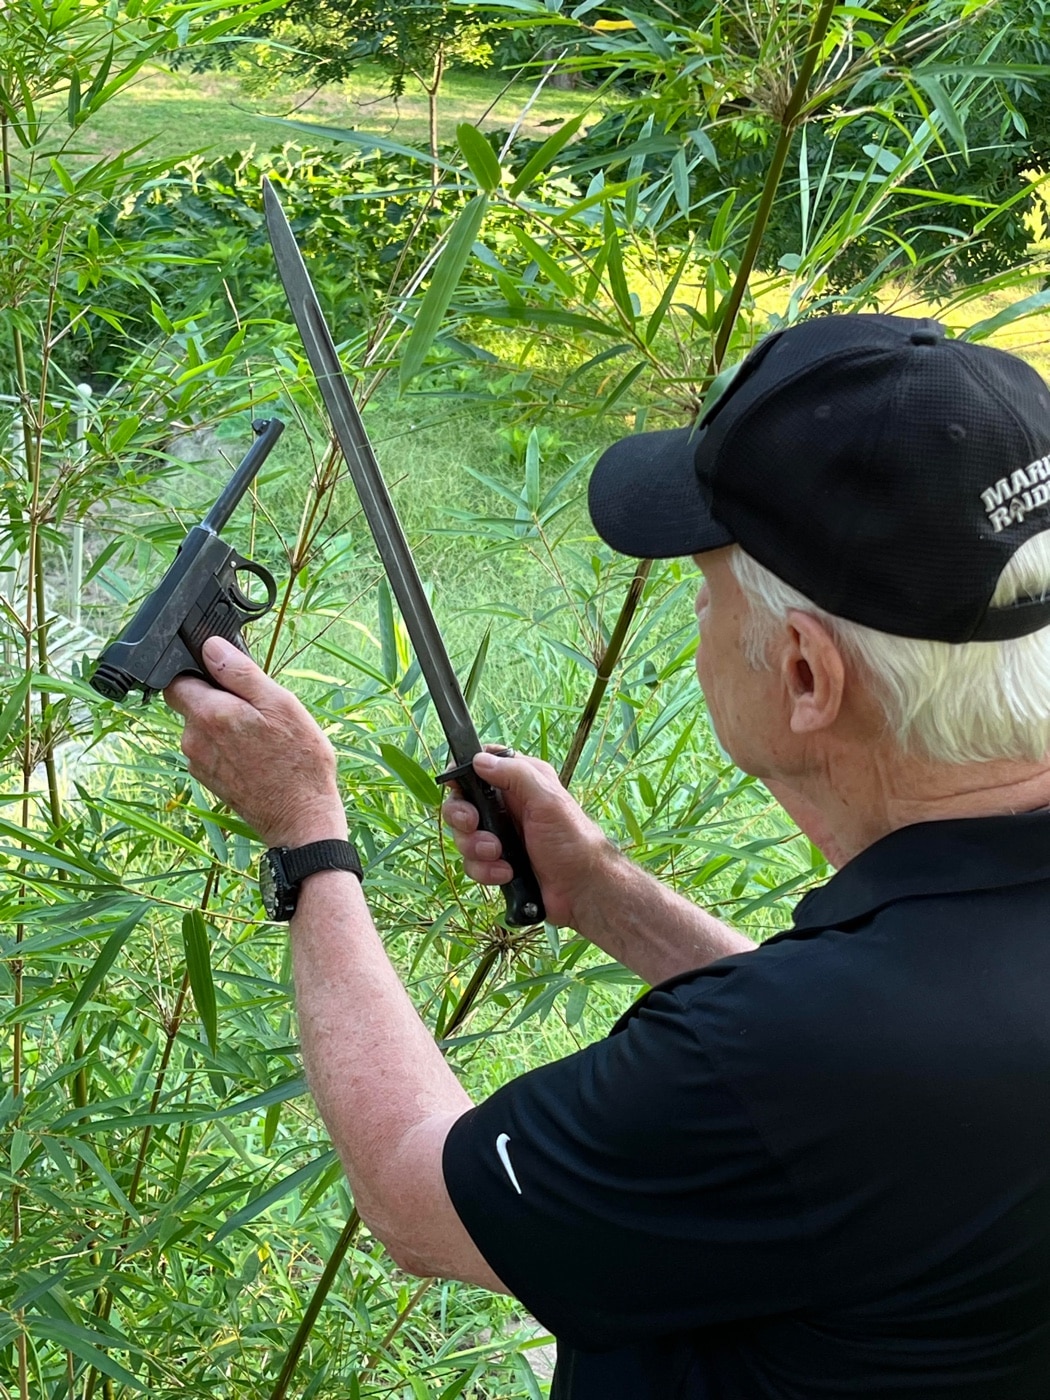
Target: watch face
269, 879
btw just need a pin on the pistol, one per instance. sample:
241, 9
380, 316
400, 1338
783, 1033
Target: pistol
196, 599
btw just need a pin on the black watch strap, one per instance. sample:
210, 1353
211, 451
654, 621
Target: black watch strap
283, 869
320, 855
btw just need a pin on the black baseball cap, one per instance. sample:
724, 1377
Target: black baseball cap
882, 469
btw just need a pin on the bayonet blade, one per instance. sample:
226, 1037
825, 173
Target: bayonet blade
401, 571
522, 893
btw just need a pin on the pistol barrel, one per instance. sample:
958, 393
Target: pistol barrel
267, 431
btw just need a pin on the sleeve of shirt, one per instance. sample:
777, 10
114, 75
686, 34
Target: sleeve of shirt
623, 1193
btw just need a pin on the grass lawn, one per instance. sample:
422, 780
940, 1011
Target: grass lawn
181, 113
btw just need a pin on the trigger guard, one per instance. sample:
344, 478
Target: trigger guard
264, 576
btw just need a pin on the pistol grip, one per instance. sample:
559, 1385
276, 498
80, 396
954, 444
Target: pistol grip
219, 618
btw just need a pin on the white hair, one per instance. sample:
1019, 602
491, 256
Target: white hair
972, 702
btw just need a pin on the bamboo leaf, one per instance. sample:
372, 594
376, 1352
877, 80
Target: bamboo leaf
94, 1163
644, 146
273, 1117
14, 706
21, 1146
1027, 306
494, 484
103, 963
721, 225
705, 145
214, 833
418, 781
443, 284
198, 966
480, 156
650, 34
324, 1184
62, 175
364, 141
576, 1002
277, 1093
610, 354
73, 100
619, 389
566, 479
664, 304
138, 819
470, 690
39, 1287
87, 1345
680, 180
265, 1199
946, 110
99, 80
545, 262
531, 495
456, 1388
617, 277
541, 316
541, 159
635, 170
598, 192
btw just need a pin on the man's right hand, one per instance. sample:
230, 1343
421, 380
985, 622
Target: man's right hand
569, 853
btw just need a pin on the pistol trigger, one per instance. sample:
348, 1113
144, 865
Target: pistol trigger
241, 600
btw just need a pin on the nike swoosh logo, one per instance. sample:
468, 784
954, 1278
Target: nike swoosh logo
504, 1156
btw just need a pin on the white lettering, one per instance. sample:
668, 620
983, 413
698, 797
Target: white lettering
996, 495
1012, 497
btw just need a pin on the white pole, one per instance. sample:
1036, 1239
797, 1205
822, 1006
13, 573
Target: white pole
76, 581
12, 559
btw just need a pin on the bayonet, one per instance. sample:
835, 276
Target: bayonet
522, 894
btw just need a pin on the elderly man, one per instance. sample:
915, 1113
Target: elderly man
816, 1168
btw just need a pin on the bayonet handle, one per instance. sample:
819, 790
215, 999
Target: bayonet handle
522, 893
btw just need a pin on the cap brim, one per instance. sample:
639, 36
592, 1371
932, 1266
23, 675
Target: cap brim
645, 499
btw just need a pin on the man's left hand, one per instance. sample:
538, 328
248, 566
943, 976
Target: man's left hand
255, 746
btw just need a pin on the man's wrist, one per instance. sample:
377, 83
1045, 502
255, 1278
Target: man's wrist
603, 871
304, 830
283, 870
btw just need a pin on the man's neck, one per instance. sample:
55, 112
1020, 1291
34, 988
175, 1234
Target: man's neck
858, 802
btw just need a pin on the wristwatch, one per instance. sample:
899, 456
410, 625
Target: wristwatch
282, 871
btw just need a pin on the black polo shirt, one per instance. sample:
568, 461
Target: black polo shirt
821, 1169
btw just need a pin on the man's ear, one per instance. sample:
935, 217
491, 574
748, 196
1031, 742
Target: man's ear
813, 673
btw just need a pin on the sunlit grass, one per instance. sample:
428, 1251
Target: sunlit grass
179, 113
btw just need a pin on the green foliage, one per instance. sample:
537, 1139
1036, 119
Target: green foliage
921, 123
323, 40
206, 253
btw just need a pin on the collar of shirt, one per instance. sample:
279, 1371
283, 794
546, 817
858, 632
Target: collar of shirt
931, 858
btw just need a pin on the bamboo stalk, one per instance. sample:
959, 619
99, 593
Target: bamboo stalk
313, 1308
774, 173
21, 1351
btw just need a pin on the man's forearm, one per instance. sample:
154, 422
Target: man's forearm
381, 1084
646, 926
373, 1068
